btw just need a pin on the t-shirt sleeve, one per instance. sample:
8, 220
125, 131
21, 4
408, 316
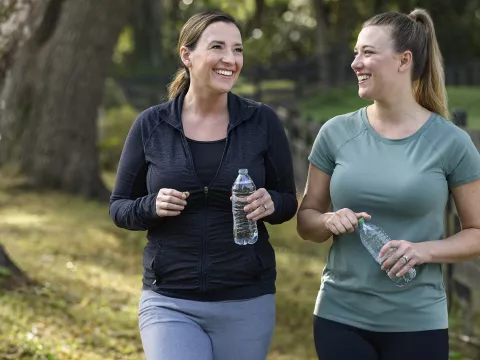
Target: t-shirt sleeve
463, 165
322, 154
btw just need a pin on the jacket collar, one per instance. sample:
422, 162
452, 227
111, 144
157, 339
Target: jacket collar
239, 109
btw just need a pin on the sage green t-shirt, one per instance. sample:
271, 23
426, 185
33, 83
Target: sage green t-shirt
403, 184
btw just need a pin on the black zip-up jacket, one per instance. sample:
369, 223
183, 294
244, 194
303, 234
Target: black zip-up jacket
193, 255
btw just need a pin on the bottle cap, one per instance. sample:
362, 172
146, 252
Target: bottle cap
243, 171
361, 221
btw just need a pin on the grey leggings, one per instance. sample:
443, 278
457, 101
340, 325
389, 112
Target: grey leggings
177, 329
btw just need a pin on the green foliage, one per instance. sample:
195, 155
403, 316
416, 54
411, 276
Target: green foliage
125, 45
4, 272
288, 29
114, 124
464, 97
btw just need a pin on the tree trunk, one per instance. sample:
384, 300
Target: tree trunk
346, 21
146, 22
17, 19
10, 274
53, 90
322, 43
256, 21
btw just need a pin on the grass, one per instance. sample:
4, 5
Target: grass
88, 275
243, 87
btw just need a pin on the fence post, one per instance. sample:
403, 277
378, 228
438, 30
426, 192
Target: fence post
459, 117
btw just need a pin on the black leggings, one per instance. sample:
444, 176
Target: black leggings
335, 341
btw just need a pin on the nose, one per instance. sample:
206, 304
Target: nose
356, 63
228, 58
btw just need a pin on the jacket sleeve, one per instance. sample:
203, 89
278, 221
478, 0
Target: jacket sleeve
280, 180
131, 207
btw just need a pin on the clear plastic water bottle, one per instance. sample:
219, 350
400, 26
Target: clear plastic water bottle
374, 238
244, 230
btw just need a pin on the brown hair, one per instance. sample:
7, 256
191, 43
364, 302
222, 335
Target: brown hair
189, 35
415, 32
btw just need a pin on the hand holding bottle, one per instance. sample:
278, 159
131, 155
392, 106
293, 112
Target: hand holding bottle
344, 221
260, 204
404, 258
383, 250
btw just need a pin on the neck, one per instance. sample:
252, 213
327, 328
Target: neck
398, 108
204, 103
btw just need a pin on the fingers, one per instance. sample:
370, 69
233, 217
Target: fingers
172, 195
337, 228
164, 213
344, 221
163, 205
258, 198
170, 202
364, 215
260, 205
259, 193
409, 262
401, 257
391, 253
388, 247
350, 221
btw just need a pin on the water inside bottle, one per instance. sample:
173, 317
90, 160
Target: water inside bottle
244, 230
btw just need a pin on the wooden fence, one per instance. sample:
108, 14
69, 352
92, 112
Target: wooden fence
462, 279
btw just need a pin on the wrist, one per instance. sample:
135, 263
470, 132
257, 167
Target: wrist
425, 251
326, 217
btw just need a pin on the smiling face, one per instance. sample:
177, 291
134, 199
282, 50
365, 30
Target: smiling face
217, 59
380, 71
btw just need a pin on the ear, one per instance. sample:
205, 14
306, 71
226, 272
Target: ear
185, 55
406, 60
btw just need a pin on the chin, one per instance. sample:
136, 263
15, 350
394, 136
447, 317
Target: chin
222, 89
364, 94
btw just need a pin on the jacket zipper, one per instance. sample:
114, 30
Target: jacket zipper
203, 267
203, 261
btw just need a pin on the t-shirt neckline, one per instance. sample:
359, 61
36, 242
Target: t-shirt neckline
399, 141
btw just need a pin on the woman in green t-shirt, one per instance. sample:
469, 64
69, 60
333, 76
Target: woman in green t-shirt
394, 164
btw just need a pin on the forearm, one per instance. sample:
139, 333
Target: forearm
136, 214
462, 246
311, 225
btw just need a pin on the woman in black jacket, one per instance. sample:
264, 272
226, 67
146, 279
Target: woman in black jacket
205, 297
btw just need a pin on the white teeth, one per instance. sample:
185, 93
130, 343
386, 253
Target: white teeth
224, 72
363, 77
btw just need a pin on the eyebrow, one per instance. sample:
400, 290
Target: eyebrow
364, 46
223, 43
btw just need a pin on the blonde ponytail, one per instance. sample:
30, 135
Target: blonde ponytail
429, 89
180, 82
